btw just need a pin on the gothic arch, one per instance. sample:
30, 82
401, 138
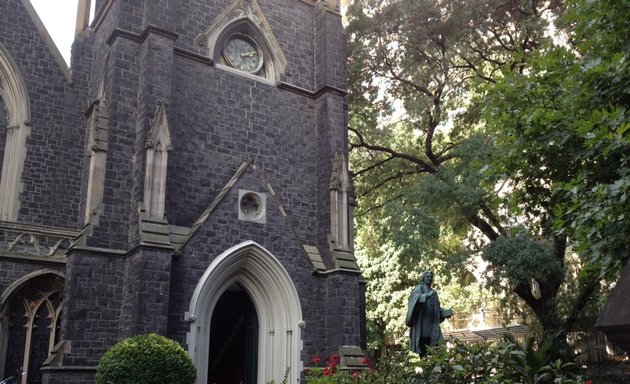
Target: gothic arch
13, 93
30, 311
19, 283
245, 17
276, 302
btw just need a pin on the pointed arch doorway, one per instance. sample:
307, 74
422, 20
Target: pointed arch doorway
268, 306
233, 338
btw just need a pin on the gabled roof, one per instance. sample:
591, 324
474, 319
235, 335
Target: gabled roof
52, 47
308, 251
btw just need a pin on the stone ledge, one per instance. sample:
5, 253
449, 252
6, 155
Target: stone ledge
71, 368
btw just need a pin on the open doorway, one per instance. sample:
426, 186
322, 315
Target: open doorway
247, 274
234, 339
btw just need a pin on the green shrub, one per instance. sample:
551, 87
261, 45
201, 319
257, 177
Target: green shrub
460, 363
146, 359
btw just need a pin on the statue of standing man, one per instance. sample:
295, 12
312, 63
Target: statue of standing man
424, 316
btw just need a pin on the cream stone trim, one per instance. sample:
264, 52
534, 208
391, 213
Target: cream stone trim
97, 149
277, 305
83, 16
245, 16
13, 92
340, 224
158, 146
8, 295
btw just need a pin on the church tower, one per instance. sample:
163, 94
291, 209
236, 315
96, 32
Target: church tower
201, 189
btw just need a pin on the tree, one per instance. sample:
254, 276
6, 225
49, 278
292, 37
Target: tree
565, 123
465, 122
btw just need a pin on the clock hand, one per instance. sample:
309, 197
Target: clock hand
248, 54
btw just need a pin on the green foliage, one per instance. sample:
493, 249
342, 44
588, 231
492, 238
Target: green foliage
419, 153
391, 274
474, 132
519, 259
459, 363
565, 125
285, 378
146, 359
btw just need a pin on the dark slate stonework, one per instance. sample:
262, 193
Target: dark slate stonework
77, 376
137, 55
51, 192
146, 290
93, 299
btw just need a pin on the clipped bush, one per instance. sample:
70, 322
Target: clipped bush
146, 359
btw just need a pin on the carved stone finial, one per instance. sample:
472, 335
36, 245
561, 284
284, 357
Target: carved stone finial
159, 129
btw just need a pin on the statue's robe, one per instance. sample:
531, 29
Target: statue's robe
424, 316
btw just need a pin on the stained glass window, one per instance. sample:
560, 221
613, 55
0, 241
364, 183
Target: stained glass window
33, 329
18, 324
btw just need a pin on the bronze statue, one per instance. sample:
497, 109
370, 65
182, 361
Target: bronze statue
424, 316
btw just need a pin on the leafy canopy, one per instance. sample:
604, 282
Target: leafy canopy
476, 133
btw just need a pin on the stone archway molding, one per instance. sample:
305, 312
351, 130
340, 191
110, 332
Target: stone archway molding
22, 281
13, 92
277, 305
7, 296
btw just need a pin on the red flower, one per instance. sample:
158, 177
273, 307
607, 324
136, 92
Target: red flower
589, 381
315, 360
327, 372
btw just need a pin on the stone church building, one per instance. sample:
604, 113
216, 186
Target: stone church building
186, 175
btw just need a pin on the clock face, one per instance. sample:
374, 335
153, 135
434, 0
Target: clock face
243, 54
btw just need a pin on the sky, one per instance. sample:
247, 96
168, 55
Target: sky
59, 17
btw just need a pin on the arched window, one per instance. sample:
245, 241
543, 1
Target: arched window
30, 326
17, 129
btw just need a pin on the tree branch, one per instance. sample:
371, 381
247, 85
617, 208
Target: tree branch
369, 168
493, 219
398, 175
395, 76
480, 224
377, 206
413, 159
